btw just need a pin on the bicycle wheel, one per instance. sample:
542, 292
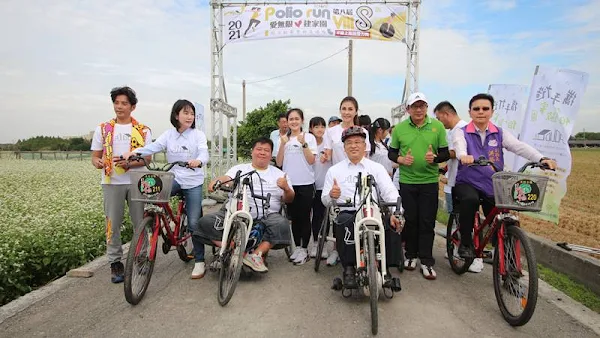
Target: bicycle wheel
140, 263
322, 239
517, 290
231, 262
458, 264
185, 250
373, 287
289, 249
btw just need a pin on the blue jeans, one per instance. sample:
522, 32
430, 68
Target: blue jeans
448, 202
193, 210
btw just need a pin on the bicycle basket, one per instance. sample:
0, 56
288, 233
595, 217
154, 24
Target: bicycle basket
151, 186
519, 191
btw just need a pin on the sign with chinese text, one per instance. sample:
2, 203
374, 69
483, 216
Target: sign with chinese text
509, 106
359, 21
552, 107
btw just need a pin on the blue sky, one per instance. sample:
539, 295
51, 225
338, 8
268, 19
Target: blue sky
60, 58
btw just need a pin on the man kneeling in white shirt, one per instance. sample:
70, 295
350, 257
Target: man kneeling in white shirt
340, 185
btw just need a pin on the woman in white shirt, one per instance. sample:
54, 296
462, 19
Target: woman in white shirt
334, 147
297, 154
317, 128
378, 131
184, 142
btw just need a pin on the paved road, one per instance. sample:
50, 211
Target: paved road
289, 301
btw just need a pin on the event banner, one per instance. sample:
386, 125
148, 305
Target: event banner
510, 101
360, 21
552, 108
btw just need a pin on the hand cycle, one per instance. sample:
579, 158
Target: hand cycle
154, 189
369, 242
237, 225
516, 191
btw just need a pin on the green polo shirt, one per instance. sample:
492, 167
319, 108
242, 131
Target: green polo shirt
407, 135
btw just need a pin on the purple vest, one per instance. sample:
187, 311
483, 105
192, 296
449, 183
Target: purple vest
481, 177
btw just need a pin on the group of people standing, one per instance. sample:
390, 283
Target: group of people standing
313, 168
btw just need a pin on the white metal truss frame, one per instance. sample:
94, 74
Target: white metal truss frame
411, 81
220, 109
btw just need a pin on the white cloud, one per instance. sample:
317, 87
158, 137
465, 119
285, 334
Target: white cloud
68, 55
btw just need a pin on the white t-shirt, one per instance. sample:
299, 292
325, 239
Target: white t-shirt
121, 145
294, 161
333, 141
320, 168
268, 179
275, 137
452, 163
396, 179
189, 145
381, 156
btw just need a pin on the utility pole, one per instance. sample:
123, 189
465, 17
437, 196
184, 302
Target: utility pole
350, 67
244, 100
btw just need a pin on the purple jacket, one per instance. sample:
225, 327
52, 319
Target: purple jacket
481, 177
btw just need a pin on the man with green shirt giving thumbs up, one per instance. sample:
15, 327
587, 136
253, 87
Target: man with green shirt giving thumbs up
418, 145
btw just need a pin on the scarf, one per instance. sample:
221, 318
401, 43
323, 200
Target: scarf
138, 137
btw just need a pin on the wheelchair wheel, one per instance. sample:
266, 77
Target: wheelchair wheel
289, 250
322, 239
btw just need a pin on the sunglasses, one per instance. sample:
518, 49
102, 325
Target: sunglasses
480, 108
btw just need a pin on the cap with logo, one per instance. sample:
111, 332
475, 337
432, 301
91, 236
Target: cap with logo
414, 97
353, 131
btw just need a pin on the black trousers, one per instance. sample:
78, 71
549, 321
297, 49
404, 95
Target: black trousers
469, 199
299, 211
344, 234
318, 213
420, 202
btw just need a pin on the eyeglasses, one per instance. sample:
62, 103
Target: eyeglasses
480, 108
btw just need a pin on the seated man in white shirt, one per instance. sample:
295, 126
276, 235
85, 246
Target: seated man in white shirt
340, 185
269, 180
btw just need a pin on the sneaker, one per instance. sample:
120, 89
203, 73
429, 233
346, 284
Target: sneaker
313, 251
325, 253
199, 269
302, 257
476, 266
428, 272
410, 264
465, 252
333, 258
349, 277
117, 272
255, 262
295, 253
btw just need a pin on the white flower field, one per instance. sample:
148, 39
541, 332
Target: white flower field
51, 220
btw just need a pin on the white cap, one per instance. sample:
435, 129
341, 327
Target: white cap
414, 97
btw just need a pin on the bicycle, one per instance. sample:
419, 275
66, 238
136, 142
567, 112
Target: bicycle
154, 189
237, 225
513, 191
327, 225
369, 242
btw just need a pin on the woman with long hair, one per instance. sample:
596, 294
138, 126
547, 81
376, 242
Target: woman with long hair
297, 154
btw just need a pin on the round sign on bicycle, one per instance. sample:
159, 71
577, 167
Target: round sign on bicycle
150, 185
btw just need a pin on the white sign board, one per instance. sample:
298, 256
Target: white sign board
552, 108
509, 107
335, 20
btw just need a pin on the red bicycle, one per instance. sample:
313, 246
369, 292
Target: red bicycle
154, 188
514, 264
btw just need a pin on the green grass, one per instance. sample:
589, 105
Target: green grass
577, 291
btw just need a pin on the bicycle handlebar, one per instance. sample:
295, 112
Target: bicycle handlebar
482, 161
236, 181
166, 167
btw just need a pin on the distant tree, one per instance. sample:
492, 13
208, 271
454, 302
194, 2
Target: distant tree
259, 122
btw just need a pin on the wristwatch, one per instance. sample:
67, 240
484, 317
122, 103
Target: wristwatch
305, 145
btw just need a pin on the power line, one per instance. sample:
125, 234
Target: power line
299, 69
